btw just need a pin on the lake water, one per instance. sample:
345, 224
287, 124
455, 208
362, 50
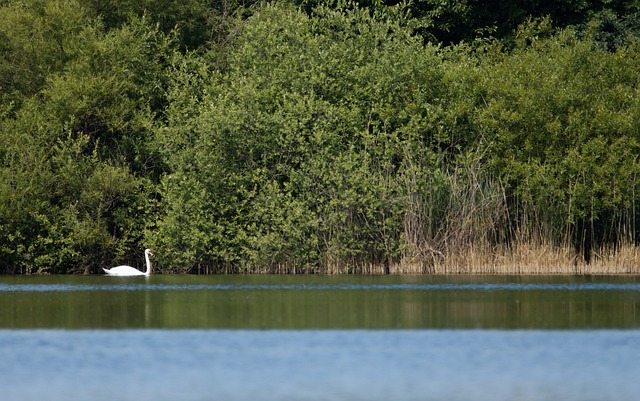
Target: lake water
319, 338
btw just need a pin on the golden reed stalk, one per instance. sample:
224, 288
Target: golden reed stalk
527, 259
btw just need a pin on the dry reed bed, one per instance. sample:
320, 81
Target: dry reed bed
525, 259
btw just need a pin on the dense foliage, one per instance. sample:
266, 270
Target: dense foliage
313, 136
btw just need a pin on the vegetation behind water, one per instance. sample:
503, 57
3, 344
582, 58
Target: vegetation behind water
312, 136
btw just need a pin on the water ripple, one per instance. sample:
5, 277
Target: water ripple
6, 287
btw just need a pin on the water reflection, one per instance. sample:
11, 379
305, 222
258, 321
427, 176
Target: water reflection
309, 302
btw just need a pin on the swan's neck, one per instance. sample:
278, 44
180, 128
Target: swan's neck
146, 256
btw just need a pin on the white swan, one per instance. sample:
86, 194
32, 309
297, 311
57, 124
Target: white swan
131, 271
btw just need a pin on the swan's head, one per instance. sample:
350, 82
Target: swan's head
148, 252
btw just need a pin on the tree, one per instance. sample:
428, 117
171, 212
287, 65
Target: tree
74, 154
289, 157
562, 116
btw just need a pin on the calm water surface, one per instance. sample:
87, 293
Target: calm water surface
319, 338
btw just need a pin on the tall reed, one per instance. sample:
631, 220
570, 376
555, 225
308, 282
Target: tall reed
462, 221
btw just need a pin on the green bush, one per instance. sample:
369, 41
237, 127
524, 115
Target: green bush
295, 149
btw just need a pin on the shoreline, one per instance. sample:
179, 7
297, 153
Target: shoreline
522, 260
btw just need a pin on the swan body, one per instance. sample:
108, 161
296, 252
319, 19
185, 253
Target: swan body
130, 271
